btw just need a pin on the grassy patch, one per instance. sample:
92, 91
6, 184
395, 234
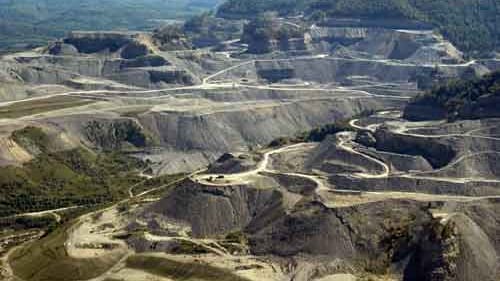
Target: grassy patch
27, 108
179, 270
47, 259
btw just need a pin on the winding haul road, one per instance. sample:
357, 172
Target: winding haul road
245, 177
208, 83
402, 128
346, 144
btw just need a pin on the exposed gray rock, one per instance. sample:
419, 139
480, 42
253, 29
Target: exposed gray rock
213, 211
437, 152
229, 163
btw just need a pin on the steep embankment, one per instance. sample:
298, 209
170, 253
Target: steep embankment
419, 240
214, 211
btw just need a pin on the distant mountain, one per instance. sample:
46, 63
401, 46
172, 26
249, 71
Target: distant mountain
472, 25
36, 21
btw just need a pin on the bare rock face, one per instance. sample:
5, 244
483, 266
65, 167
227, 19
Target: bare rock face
105, 59
403, 235
372, 235
215, 210
477, 258
116, 134
435, 255
312, 230
387, 41
457, 250
238, 129
145, 61
438, 152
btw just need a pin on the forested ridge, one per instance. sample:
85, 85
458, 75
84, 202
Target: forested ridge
472, 25
35, 22
463, 99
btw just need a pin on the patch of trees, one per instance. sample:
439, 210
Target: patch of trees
236, 9
314, 135
265, 28
171, 37
464, 99
51, 19
206, 30
21, 223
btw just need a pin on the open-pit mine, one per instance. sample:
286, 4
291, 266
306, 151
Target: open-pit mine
247, 160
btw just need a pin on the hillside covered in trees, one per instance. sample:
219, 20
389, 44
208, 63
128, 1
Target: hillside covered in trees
459, 99
472, 25
24, 22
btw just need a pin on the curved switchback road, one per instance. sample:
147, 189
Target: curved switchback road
244, 177
403, 129
346, 144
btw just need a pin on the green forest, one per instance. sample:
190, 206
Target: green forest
465, 99
24, 22
56, 179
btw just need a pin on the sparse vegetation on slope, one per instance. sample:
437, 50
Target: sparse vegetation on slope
171, 37
205, 29
64, 178
266, 28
